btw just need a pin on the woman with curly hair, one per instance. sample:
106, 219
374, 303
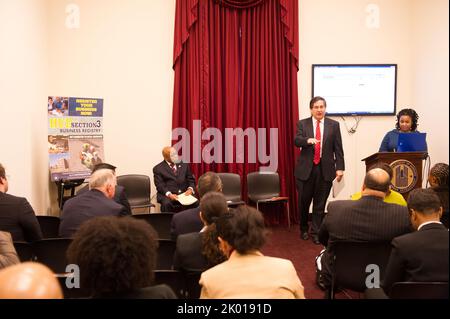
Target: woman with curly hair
438, 179
117, 257
407, 122
248, 273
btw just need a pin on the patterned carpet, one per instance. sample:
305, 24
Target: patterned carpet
286, 243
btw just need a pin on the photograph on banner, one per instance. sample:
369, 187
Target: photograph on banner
85, 152
58, 144
58, 106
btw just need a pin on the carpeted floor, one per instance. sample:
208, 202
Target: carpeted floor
286, 243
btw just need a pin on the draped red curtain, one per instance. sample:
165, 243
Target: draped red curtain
236, 64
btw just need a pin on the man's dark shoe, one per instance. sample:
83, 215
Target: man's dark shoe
304, 236
316, 240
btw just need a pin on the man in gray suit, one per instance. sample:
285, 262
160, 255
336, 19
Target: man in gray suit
368, 219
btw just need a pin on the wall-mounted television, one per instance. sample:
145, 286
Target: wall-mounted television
356, 89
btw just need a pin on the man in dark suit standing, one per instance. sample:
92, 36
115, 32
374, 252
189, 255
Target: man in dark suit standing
172, 177
120, 196
421, 255
320, 162
368, 219
98, 201
16, 214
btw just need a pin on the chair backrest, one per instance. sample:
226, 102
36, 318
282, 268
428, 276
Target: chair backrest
231, 186
193, 288
351, 260
137, 188
159, 221
24, 251
52, 253
419, 290
172, 278
166, 251
262, 185
49, 226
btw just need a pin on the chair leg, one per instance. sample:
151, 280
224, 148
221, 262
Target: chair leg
257, 206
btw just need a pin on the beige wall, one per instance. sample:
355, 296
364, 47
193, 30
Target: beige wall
122, 52
23, 87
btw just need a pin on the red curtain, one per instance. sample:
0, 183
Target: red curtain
236, 66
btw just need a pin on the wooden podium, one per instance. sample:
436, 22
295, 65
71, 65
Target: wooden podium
407, 168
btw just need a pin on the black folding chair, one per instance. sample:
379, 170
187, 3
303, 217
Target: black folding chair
159, 221
166, 251
52, 253
24, 251
264, 187
137, 188
350, 262
231, 188
49, 226
172, 278
419, 290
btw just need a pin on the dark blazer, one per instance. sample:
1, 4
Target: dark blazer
369, 219
83, 207
418, 256
332, 152
17, 217
152, 292
167, 181
187, 221
120, 196
188, 254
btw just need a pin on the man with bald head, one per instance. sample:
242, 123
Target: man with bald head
369, 219
29, 280
172, 177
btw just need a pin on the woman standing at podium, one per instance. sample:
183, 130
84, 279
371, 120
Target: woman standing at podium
406, 122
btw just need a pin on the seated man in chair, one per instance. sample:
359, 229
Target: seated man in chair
172, 178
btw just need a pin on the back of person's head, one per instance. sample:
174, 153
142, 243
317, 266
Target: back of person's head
101, 178
212, 206
412, 114
424, 201
29, 280
385, 167
103, 166
439, 175
242, 228
209, 182
115, 255
377, 179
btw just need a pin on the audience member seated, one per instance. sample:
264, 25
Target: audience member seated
439, 183
248, 273
16, 214
422, 255
8, 254
369, 219
392, 196
120, 196
172, 177
29, 280
93, 203
188, 221
199, 251
117, 258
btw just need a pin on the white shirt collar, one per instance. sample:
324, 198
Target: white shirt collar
426, 223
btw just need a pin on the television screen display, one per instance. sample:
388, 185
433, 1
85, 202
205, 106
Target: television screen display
356, 89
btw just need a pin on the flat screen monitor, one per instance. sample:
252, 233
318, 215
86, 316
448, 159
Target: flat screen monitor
412, 142
356, 89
